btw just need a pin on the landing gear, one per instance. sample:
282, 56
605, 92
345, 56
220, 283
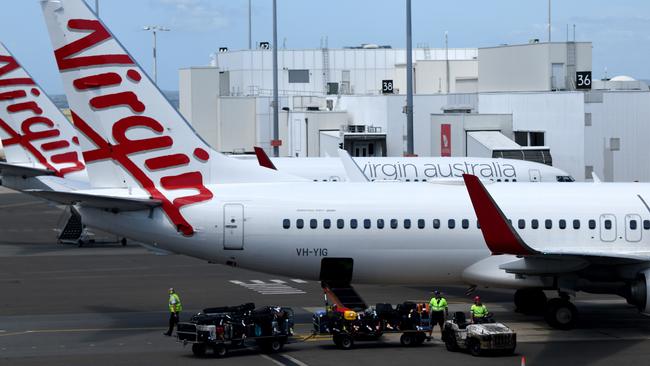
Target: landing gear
561, 313
530, 301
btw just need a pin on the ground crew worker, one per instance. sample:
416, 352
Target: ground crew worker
439, 311
478, 311
175, 308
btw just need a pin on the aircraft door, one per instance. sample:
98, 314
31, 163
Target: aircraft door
633, 228
607, 227
233, 226
535, 175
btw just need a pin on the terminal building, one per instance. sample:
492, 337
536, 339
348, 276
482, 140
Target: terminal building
535, 101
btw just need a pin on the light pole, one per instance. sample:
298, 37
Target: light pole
276, 117
155, 29
409, 83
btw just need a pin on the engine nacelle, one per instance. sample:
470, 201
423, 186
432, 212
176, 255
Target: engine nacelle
638, 292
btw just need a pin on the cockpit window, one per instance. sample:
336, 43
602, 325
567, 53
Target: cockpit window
565, 178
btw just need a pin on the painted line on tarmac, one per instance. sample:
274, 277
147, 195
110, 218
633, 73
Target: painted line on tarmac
283, 360
79, 330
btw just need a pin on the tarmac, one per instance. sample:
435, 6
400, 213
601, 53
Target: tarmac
105, 304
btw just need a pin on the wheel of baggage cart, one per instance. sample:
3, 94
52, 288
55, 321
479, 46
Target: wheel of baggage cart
407, 340
451, 345
198, 349
420, 338
271, 346
474, 347
220, 350
344, 341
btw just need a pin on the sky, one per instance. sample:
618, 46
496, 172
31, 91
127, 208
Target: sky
619, 30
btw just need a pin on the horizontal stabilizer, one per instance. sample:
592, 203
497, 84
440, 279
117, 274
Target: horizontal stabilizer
499, 235
97, 201
22, 171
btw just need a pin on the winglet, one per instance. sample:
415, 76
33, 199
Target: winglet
595, 177
263, 159
352, 169
499, 235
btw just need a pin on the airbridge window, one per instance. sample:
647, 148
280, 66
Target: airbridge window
420, 224
407, 223
562, 224
576, 224
465, 224
380, 223
286, 223
353, 224
327, 223
340, 223
436, 224
366, 223
592, 224
646, 224
521, 224
451, 223
548, 224
313, 223
300, 223
534, 224
393, 223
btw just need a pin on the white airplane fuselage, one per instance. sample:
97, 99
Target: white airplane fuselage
257, 238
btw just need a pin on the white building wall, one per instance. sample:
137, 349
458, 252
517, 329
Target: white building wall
560, 115
198, 90
626, 116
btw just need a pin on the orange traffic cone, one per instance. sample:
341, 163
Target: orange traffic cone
523, 360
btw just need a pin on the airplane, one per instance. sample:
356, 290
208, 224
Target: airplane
155, 180
417, 169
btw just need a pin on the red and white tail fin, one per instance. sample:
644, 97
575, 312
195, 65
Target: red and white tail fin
130, 134
34, 132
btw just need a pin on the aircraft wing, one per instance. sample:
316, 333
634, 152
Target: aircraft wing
97, 201
501, 238
22, 171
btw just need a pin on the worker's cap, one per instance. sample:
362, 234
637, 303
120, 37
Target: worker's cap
436, 292
171, 289
477, 298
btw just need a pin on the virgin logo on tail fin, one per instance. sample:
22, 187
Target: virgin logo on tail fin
130, 134
34, 132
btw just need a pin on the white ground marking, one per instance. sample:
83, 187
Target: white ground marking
292, 359
274, 287
272, 360
297, 280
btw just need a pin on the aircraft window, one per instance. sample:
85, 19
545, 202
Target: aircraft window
562, 224
548, 224
315, 180
436, 224
498, 180
340, 223
646, 224
353, 224
366, 223
576, 224
393, 223
534, 223
420, 224
408, 180
300, 223
514, 180
286, 223
564, 178
380, 223
424, 180
451, 223
465, 224
592, 224
327, 223
521, 223
416, 180
313, 223
608, 224
478, 224
506, 180
407, 223
633, 225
